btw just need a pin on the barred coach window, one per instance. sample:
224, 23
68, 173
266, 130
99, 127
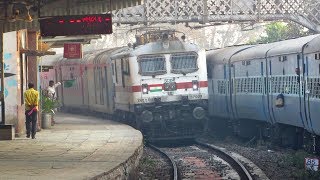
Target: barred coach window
150, 65
184, 62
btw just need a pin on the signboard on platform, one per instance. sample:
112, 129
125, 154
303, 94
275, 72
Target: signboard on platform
45, 68
311, 164
72, 51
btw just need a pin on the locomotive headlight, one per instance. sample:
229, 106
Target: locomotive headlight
195, 85
145, 88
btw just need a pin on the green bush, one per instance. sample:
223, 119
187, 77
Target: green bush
48, 105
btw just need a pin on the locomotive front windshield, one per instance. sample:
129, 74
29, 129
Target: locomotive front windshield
184, 62
152, 65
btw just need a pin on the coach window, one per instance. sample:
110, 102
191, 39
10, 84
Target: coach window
112, 68
285, 58
125, 66
123, 72
116, 71
151, 65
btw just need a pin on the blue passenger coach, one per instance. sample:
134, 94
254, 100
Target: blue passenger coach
273, 85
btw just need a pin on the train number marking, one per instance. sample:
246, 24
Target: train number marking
143, 100
195, 96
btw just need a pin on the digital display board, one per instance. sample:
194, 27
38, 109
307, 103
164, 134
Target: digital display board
76, 25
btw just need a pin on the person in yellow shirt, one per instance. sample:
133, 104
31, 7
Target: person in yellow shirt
31, 99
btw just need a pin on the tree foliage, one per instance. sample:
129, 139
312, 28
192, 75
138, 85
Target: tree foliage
278, 31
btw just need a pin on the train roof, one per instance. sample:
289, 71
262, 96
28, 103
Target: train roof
261, 50
255, 52
159, 48
290, 46
222, 56
121, 52
86, 56
313, 46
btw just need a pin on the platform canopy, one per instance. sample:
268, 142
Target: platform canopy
24, 14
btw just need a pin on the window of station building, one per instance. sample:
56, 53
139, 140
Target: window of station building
317, 56
184, 62
151, 65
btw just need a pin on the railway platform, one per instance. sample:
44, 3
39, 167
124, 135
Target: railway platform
77, 147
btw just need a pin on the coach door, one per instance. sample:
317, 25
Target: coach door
301, 72
232, 98
312, 90
85, 87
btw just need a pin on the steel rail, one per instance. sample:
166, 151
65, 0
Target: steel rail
238, 166
174, 166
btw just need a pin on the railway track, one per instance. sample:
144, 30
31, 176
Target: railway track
203, 161
173, 164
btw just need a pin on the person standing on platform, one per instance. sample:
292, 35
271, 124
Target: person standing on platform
51, 91
31, 99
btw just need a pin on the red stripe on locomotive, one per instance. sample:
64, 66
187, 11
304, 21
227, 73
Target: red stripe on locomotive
182, 85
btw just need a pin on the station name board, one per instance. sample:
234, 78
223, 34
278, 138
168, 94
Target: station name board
76, 25
72, 51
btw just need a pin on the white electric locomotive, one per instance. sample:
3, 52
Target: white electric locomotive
159, 83
162, 81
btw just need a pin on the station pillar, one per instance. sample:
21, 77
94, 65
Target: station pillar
32, 64
7, 131
32, 61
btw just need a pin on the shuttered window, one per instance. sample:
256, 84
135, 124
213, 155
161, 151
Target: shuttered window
184, 62
314, 87
152, 65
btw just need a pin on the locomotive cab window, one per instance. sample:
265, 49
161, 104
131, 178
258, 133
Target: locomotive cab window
150, 65
184, 62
